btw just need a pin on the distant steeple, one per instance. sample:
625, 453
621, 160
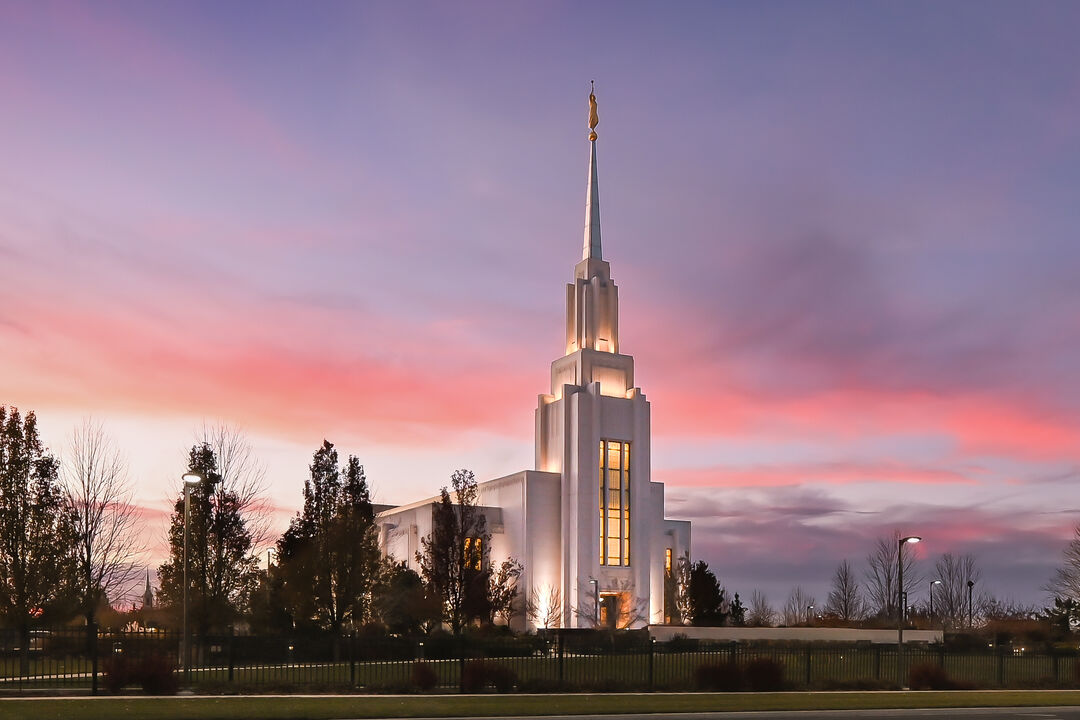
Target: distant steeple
591, 248
148, 593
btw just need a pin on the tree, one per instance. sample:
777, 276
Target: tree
680, 581
454, 557
401, 601
737, 613
503, 591
845, 601
951, 597
329, 556
545, 607
101, 498
707, 605
762, 613
881, 577
797, 610
227, 519
1065, 583
37, 531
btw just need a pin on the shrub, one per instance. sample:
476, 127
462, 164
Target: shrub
764, 675
157, 675
116, 673
424, 675
722, 676
928, 676
502, 677
474, 676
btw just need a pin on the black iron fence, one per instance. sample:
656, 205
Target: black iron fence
109, 661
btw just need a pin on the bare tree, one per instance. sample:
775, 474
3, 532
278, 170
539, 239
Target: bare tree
762, 614
881, 576
1065, 583
545, 607
951, 597
242, 476
797, 609
101, 495
503, 591
630, 609
845, 599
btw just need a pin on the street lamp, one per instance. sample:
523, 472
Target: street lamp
809, 615
900, 598
932, 584
970, 584
596, 601
191, 479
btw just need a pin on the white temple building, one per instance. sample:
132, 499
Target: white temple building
588, 523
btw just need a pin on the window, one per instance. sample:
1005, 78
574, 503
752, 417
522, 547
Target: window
614, 503
667, 561
474, 553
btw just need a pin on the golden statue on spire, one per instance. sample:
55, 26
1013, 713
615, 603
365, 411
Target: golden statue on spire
594, 120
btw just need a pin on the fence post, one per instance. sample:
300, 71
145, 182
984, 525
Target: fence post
559, 639
1054, 664
877, 662
652, 651
91, 639
352, 658
1001, 666
232, 663
809, 657
461, 665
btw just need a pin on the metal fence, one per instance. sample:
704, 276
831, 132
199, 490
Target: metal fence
84, 659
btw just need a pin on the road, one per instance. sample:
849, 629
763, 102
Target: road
1021, 713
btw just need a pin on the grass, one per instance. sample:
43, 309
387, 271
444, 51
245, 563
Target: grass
366, 706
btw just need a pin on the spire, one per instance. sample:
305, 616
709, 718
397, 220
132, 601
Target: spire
591, 247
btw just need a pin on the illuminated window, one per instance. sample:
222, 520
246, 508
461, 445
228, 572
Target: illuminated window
474, 553
614, 502
667, 561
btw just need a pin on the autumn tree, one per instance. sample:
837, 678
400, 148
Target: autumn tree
845, 601
37, 531
329, 557
454, 557
227, 519
106, 521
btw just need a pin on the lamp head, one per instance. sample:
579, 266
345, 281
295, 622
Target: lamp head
936, 582
191, 479
911, 539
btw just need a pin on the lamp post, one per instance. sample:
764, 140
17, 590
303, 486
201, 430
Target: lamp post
809, 613
900, 600
932, 584
596, 601
970, 584
191, 479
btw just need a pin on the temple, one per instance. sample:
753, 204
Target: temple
587, 523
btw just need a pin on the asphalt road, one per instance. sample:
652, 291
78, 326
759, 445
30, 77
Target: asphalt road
1030, 713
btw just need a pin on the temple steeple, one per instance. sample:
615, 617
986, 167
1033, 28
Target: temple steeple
591, 247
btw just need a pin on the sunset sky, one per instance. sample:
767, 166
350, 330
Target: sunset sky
845, 236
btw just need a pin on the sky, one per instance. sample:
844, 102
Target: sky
845, 236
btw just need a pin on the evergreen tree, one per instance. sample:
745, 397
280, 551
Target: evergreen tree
222, 571
737, 613
329, 557
706, 597
38, 568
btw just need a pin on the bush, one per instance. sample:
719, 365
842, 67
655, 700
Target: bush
929, 676
157, 675
722, 676
424, 675
764, 675
116, 673
477, 675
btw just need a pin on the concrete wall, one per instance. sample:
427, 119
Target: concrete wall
663, 633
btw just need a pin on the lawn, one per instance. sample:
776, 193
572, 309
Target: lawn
361, 706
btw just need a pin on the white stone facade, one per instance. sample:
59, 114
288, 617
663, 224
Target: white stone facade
552, 519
